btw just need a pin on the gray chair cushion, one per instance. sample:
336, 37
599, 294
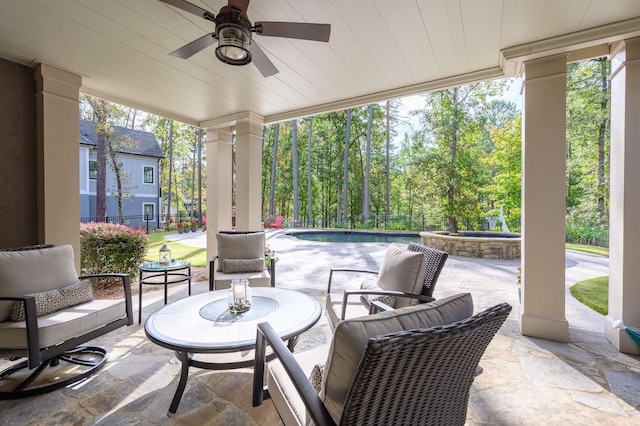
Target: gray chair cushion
351, 336
402, 270
62, 325
34, 271
239, 246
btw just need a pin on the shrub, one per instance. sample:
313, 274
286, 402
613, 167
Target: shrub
109, 248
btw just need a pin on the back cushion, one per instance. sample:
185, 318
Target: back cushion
34, 271
402, 270
351, 336
239, 246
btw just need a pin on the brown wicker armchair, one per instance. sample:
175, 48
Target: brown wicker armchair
411, 375
404, 279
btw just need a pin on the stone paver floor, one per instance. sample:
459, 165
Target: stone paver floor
526, 381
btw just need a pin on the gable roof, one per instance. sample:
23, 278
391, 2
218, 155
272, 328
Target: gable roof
136, 142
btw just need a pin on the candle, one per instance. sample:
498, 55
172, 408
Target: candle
238, 290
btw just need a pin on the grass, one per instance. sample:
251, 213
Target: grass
602, 251
594, 293
194, 255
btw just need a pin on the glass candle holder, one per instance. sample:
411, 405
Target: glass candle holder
239, 296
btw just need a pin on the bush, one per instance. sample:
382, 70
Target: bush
111, 248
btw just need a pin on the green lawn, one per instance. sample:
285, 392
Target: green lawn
194, 255
602, 251
594, 293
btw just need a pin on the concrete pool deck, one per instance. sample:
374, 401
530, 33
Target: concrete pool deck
526, 381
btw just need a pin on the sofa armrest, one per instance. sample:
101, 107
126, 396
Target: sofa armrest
364, 271
272, 268
395, 293
266, 335
31, 320
126, 285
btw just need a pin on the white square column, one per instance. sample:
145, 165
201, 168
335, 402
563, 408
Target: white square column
57, 102
543, 199
219, 187
249, 175
624, 219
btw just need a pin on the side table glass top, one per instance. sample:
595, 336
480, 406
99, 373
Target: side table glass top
157, 266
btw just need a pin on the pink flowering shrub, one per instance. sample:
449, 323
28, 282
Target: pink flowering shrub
111, 248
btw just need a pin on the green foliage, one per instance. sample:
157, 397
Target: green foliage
585, 225
111, 248
594, 293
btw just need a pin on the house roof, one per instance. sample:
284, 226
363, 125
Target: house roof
136, 142
378, 50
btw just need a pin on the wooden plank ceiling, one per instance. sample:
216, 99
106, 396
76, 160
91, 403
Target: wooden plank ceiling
378, 49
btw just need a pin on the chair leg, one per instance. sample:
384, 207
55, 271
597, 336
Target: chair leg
73, 356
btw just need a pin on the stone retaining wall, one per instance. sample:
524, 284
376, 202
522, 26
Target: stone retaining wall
488, 247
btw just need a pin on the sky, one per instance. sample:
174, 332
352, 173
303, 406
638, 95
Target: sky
410, 103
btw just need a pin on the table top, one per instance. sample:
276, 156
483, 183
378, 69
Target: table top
157, 266
203, 324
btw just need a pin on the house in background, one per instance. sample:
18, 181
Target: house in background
139, 153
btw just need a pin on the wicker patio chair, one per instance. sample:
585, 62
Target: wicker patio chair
412, 376
47, 314
404, 279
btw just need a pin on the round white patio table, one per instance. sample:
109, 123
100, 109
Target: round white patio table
202, 324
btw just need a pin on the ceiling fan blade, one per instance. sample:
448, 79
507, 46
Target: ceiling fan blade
194, 47
191, 8
262, 61
241, 5
300, 30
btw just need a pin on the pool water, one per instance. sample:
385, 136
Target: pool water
356, 237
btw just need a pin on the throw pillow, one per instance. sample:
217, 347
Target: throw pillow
239, 246
316, 376
402, 270
51, 301
231, 266
367, 299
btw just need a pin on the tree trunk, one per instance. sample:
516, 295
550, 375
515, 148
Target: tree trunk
170, 172
451, 192
101, 112
367, 168
602, 133
200, 177
294, 161
309, 196
193, 183
272, 184
387, 189
345, 181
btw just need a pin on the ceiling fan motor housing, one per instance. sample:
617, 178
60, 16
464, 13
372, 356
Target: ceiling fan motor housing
233, 32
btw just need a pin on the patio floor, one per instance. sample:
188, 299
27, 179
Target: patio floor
526, 381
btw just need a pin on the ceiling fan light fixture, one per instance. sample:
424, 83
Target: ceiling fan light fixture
233, 44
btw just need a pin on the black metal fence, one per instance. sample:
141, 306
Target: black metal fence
147, 223
406, 223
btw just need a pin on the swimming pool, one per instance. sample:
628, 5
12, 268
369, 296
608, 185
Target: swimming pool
356, 236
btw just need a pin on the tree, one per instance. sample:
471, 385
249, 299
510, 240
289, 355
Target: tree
309, 174
272, 185
365, 191
345, 182
294, 166
101, 112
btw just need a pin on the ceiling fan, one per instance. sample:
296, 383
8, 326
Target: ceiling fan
233, 34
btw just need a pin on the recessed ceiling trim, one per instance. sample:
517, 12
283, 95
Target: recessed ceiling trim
511, 58
138, 105
428, 86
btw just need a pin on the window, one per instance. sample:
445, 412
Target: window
149, 211
148, 174
93, 169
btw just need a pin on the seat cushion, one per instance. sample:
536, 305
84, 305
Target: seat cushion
351, 337
355, 308
402, 270
256, 279
239, 246
34, 271
62, 325
284, 395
